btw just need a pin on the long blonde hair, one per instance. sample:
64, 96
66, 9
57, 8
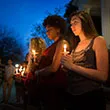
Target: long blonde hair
39, 45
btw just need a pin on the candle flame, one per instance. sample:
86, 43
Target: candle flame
16, 65
23, 70
65, 47
33, 51
20, 69
16, 71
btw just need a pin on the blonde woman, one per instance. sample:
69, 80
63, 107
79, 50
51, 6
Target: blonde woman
36, 48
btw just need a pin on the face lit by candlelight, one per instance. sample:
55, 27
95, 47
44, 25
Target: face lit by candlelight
52, 33
76, 25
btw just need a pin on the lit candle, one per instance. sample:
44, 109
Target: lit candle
16, 71
20, 69
16, 65
65, 49
22, 72
34, 53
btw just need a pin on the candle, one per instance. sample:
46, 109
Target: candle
65, 49
34, 53
16, 71
22, 72
20, 69
16, 65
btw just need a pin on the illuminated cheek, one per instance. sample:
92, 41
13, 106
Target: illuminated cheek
49, 35
56, 33
52, 34
80, 30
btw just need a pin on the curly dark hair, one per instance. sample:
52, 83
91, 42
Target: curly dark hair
57, 22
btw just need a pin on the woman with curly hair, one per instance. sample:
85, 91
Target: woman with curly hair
52, 80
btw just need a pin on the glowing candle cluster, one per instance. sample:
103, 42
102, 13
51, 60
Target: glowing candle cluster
20, 70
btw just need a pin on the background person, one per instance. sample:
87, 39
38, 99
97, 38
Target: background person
8, 80
2, 71
38, 45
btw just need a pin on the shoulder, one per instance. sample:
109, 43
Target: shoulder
99, 41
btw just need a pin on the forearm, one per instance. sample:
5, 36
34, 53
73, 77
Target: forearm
90, 73
45, 71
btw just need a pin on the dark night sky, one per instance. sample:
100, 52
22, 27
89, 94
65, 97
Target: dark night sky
22, 14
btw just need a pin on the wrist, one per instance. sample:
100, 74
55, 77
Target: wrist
71, 67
